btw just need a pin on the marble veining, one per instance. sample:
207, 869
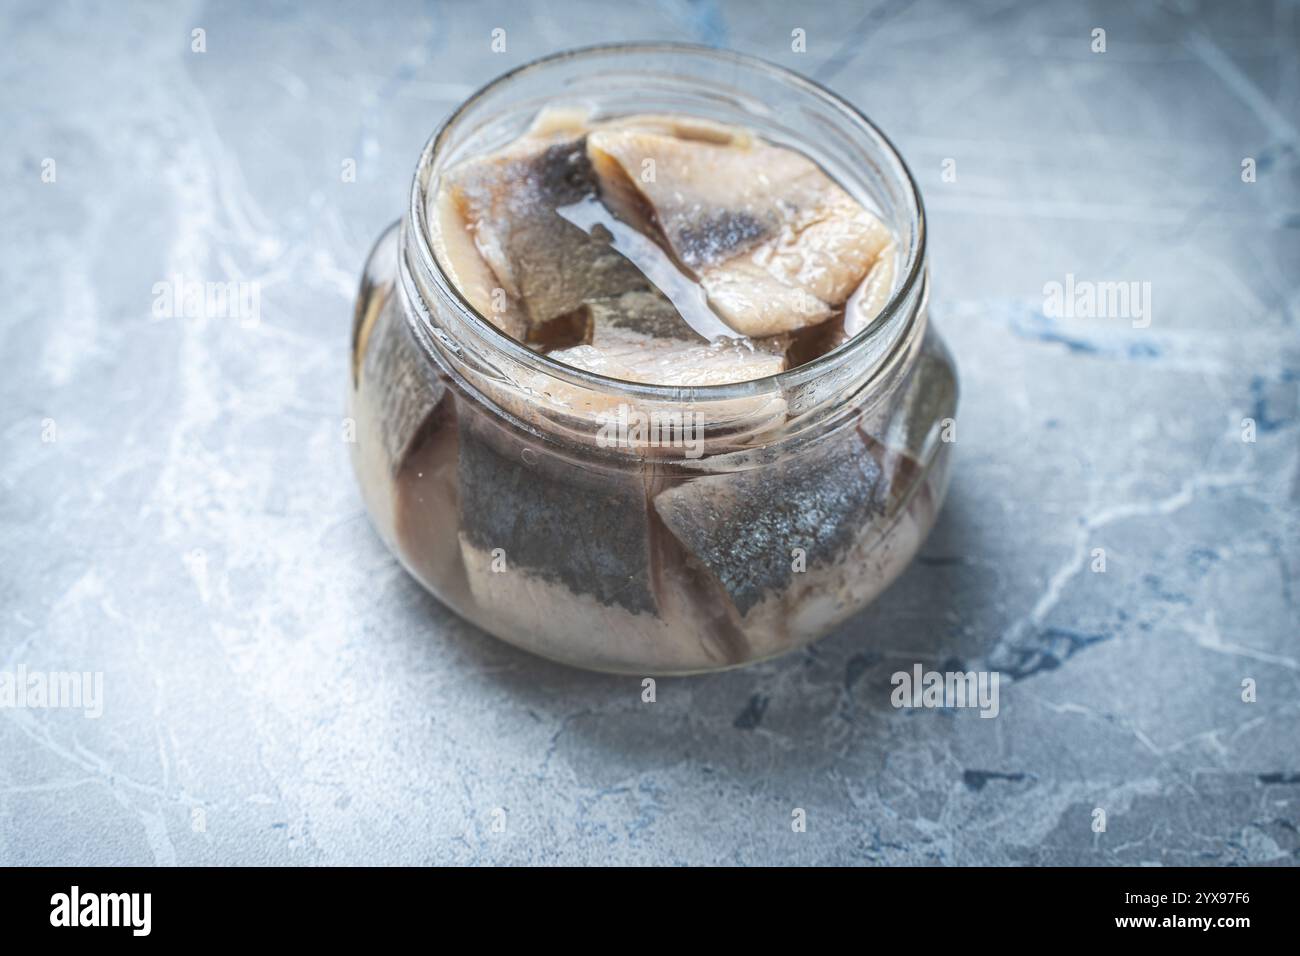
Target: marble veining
177, 511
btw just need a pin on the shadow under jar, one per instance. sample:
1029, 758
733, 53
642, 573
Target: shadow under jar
638, 528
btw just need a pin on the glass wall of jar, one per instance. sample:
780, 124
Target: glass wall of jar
640, 528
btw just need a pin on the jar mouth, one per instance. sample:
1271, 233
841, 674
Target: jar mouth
900, 301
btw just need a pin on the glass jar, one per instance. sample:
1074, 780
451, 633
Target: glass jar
638, 528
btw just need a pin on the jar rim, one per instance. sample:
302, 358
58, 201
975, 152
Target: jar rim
913, 270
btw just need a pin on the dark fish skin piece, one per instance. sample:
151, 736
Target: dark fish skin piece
644, 312
578, 525
719, 236
410, 390
744, 526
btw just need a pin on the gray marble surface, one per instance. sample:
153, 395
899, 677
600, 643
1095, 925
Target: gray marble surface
177, 510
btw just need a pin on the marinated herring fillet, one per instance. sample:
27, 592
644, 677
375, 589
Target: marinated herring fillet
546, 266
552, 518
872, 295
633, 357
742, 527
676, 228
548, 545
469, 272
775, 242
412, 392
